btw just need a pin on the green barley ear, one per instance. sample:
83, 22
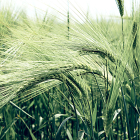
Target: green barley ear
134, 33
120, 4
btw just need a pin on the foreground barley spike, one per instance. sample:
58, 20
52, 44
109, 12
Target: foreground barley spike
120, 4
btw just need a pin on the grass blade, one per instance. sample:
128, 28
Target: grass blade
129, 135
60, 128
80, 135
32, 135
21, 109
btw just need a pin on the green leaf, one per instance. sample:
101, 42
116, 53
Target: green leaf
32, 135
116, 113
51, 119
31, 104
60, 128
69, 135
100, 133
80, 135
8, 128
94, 114
59, 115
56, 116
21, 109
130, 102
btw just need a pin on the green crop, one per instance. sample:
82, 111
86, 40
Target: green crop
69, 80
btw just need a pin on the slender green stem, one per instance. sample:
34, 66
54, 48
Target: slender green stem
77, 124
128, 128
136, 115
86, 130
122, 127
91, 119
99, 87
68, 20
122, 33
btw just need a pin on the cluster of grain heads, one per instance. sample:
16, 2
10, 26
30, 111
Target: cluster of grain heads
65, 94
110, 106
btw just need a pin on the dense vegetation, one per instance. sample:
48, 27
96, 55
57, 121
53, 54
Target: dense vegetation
69, 80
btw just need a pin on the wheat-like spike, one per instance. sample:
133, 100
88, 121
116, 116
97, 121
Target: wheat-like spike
134, 33
103, 53
135, 38
120, 4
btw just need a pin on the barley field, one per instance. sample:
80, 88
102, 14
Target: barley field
69, 80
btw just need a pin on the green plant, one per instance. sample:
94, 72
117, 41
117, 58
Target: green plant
86, 87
